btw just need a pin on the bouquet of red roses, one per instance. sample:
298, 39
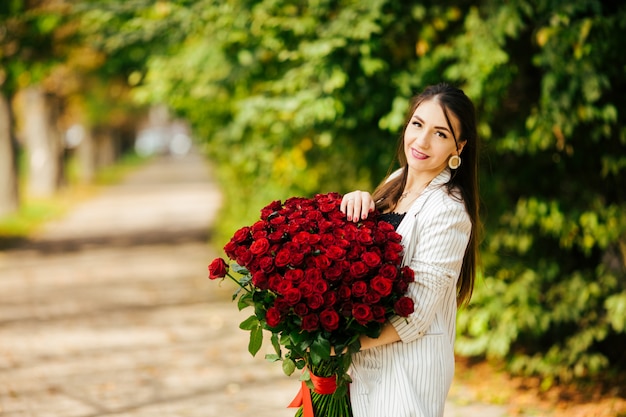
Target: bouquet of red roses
317, 282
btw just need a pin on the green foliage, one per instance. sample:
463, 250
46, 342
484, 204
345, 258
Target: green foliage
297, 98
554, 259
31, 42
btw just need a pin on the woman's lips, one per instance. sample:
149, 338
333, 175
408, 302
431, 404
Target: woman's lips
418, 155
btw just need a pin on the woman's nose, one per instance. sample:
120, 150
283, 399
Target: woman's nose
421, 139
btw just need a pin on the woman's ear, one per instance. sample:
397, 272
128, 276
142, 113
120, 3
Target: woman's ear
461, 145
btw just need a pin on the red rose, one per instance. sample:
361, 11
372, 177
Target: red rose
359, 288
276, 236
371, 259
270, 208
230, 248
218, 269
292, 228
320, 286
330, 298
404, 306
306, 288
277, 221
300, 238
329, 320
371, 298
266, 264
259, 280
259, 234
382, 285
355, 252
314, 238
310, 322
346, 308
296, 258
344, 292
392, 256
315, 301
273, 317
335, 253
295, 275
364, 237
293, 296
322, 262
284, 286
408, 275
243, 256
388, 271
401, 287
258, 226
282, 258
394, 237
281, 305
358, 269
260, 247
274, 282
314, 216
362, 313
301, 309
395, 247
327, 240
242, 235
333, 273
385, 227
324, 226
379, 313
327, 208
312, 274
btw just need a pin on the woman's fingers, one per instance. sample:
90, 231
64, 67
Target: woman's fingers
357, 205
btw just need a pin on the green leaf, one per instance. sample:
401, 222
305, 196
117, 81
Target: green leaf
320, 350
289, 367
256, 340
250, 323
272, 357
240, 269
245, 301
276, 344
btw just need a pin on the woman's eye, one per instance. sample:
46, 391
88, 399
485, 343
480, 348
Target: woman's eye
417, 124
441, 134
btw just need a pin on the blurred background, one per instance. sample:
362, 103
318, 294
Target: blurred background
290, 98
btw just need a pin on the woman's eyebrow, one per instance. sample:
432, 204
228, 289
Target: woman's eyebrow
419, 119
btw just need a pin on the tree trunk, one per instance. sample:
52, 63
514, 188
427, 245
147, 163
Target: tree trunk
43, 144
106, 144
9, 201
86, 153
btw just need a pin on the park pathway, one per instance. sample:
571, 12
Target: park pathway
108, 312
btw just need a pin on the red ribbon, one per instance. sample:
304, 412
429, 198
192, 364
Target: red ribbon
321, 385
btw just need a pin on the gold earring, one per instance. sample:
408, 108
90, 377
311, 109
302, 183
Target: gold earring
454, 162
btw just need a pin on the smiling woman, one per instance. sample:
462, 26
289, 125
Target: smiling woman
408, 369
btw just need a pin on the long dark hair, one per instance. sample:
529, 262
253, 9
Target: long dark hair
454, 102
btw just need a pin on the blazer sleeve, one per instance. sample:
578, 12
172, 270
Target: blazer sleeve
442, 237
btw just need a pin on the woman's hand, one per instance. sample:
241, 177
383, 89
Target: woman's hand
356, 205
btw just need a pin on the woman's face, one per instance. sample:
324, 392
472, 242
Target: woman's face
428, 141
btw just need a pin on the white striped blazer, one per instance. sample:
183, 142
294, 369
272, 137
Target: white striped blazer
411, 378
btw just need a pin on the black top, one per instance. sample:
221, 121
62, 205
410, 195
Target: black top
393, 218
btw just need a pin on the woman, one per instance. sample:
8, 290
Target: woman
433, 202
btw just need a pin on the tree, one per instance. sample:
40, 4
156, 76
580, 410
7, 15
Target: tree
29, 53
8, 177
296, 99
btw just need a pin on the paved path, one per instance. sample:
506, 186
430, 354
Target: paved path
108, 312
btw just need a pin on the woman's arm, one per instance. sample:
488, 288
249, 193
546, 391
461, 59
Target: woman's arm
388, 335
